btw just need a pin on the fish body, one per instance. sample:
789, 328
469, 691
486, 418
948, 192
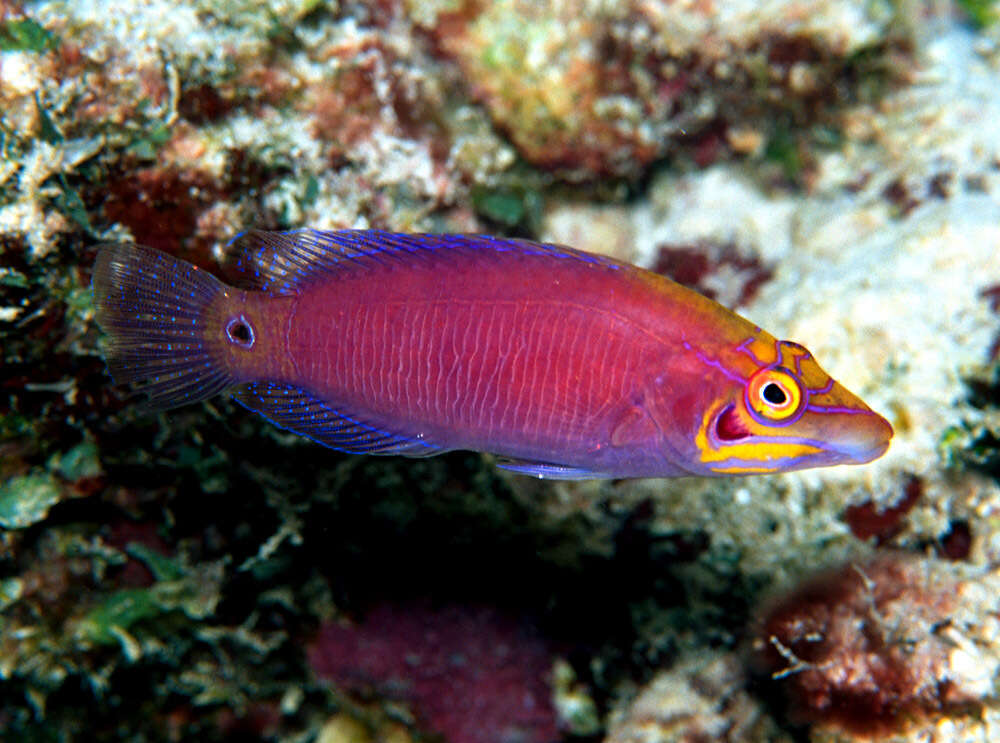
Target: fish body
563, 363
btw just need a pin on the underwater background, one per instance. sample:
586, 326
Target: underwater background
830, 169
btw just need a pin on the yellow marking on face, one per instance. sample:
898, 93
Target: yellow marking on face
763, 348
755, 451
765, 451
736, 470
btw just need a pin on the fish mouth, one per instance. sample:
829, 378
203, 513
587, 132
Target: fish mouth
862, 453
868, 444
867, 439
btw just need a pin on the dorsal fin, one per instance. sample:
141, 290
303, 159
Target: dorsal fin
281, 262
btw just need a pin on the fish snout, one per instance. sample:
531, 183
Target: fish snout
868, 441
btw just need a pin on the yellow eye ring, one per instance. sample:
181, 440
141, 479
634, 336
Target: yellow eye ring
774, 395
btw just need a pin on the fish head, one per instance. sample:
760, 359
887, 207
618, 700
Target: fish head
783, 412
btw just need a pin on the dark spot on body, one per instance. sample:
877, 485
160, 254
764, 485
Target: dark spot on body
240, 332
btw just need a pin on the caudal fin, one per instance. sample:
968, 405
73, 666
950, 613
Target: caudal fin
162, 319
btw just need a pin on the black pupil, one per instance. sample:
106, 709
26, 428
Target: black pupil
774, 394
240, 332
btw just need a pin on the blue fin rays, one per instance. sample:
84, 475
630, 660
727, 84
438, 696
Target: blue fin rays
296, 410
280, 262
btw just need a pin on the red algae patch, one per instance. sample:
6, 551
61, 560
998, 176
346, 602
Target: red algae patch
867, 520
161, 207
876, 649
956, 543
721, 272
473, 675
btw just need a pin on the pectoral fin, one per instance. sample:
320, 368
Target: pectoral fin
634, 427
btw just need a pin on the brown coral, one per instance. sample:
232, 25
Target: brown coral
871, 649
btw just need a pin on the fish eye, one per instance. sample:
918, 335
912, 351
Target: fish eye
774, 395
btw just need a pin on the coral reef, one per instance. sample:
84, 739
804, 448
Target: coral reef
880, 647
605, 88
897, 649
702, 698
184, 576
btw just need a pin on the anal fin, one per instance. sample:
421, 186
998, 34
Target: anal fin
298, 411
549, 471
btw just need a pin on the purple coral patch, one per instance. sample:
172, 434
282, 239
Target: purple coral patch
472, 675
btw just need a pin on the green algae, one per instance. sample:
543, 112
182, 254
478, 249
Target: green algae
509, 206
785, 149
79, 462
108, 623
975, 443
26, 35
13, 278
119, 615
26, 499
162, 567
982, 13
148, 144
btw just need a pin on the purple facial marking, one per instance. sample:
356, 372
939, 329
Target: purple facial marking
719, 367
240, 333
822, 390
743, 347
802, 354
835, 409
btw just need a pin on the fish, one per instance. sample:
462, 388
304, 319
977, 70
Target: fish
560, 363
